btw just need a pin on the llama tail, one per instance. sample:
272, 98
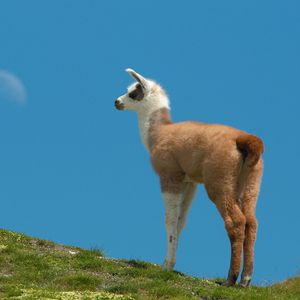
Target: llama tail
251, 148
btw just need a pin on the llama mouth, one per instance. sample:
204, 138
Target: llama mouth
119, 106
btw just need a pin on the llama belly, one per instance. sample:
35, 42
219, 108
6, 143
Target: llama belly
193, 179
193, 168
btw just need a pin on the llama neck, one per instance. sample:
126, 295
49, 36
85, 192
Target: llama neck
150, 121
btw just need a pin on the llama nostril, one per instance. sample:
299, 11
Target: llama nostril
119, 105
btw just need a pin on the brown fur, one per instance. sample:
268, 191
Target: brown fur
252, 148
227, 161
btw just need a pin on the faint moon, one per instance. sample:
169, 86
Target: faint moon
11, 88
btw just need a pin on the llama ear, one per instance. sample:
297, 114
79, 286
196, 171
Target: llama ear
138, 77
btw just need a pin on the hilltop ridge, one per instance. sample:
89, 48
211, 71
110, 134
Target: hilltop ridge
32, 268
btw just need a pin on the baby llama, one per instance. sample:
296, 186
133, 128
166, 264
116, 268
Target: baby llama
226, 160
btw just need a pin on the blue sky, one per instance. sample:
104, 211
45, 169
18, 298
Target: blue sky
73, 169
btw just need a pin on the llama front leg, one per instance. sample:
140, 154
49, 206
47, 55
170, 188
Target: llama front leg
173, 206
190, 189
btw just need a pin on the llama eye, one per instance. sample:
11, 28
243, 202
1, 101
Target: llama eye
133, 96
137, 94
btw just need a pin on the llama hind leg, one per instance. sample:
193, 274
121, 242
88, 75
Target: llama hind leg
235, 226
250, 237
248, 207
225, 198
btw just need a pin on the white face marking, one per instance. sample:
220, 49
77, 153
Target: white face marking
154, 99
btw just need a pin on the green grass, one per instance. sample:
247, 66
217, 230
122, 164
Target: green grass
31, 268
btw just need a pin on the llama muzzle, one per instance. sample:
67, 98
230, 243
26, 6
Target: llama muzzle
119, 105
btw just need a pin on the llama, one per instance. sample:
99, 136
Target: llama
226, 160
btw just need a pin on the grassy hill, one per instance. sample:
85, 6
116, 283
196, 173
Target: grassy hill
31, 268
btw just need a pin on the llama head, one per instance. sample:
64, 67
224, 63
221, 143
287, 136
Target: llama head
142, 96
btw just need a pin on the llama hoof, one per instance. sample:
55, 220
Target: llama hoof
231, 280
168, 265
244, 285
226, 283
245, 282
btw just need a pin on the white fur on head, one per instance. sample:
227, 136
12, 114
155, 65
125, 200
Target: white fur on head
154, 98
